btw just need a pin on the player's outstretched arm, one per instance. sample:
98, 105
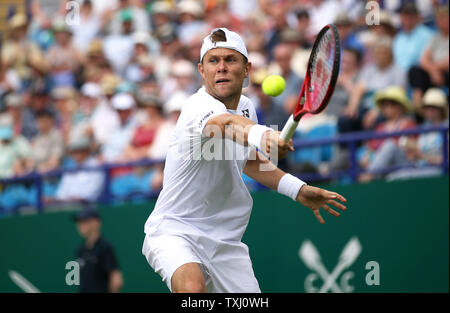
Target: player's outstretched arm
311, 197
246, 132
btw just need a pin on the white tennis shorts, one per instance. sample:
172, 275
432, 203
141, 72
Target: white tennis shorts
226, 267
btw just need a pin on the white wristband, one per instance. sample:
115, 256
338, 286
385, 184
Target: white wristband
255, 135
290, 185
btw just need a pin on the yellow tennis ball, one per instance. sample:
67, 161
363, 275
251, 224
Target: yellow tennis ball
273, 85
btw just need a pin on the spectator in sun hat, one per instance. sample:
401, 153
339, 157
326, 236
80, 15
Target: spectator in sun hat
182, 77
17, 49
395, 107
421, 152
114, 147
190, 14
79, 148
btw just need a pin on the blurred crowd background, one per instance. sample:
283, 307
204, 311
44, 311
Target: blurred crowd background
103, 82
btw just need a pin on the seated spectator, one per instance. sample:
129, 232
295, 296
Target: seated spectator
82, 185
434, 64
145, 134
15, 150
63, 57
17, 51
395, 107
410, 42
88, 27
346, 33
118, 47
66, 105
48, 145
373, 78
426, 151
375, 32
190, 18
114, 147
15, 108
182, 77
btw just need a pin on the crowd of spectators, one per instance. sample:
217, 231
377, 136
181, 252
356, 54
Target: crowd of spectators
103, 82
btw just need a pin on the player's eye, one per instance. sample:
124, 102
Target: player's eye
212, 60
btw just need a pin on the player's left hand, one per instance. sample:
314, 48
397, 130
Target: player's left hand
316, 198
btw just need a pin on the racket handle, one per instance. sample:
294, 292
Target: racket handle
289, 129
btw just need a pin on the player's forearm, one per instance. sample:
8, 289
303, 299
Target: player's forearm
234, 127
263, 171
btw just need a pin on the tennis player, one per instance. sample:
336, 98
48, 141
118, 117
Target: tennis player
193, 236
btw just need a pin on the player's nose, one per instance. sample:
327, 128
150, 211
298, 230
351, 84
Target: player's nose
221, 66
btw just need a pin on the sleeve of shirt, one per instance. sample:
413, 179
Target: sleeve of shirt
202, 111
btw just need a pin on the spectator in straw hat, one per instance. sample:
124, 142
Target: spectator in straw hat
395, 107
422, 152
16, 51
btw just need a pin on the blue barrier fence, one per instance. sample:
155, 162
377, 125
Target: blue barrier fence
349, 139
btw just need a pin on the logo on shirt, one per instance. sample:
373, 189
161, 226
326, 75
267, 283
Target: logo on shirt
204, 118
246, 113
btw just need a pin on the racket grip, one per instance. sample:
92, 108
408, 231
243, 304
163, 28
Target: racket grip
289, 129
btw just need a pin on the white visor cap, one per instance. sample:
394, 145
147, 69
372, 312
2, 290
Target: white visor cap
234, 42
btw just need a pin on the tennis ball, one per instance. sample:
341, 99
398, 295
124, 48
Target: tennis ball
273, 85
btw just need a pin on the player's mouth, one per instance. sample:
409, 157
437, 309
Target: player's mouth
222, 81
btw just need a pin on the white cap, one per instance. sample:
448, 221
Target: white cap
92, 90
175, 102
234, 42
123, 101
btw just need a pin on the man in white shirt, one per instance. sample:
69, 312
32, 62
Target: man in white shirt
193, 236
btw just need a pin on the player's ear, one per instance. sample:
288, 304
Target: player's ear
248, 68
200, 69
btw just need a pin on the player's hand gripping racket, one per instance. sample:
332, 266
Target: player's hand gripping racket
320, 79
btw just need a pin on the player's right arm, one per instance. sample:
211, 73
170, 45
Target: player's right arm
246, 132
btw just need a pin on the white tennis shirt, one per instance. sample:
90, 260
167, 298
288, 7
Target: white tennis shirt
203, 193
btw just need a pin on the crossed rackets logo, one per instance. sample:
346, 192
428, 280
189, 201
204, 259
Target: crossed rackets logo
311, 257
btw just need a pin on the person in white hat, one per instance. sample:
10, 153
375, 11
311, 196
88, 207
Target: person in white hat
119, 139
193, 236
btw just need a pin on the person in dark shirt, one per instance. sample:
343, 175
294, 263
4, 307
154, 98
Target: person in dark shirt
99, 269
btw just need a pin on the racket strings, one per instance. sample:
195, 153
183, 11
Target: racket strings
323, 58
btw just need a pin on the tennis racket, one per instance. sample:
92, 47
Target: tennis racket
320, 79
